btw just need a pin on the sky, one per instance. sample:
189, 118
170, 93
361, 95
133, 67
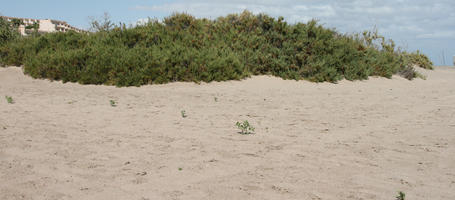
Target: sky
428, 26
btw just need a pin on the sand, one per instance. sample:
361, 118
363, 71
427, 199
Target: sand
351, 140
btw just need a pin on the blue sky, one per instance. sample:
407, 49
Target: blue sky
413, 24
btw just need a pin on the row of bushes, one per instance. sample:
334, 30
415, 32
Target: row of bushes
183, 48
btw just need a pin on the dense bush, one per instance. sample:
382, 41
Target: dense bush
7, 32
416, 58
183, 48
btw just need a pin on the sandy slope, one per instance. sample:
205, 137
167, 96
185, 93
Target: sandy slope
352, 140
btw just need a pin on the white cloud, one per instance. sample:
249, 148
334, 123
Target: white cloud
438, 34
141, 21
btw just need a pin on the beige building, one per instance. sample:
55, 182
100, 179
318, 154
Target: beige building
45, 25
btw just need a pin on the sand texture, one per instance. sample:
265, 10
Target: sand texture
351, 140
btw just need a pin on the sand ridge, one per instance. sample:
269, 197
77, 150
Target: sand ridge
351, 140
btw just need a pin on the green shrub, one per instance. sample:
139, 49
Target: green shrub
184, 48
9, 99
113, 103
421, 60
401, 196
245, 127
7, 32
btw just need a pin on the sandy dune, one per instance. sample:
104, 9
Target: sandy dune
352, 140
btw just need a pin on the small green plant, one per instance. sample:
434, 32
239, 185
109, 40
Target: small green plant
180, 169
183, 112
216, 99
245, 127
9, 99
113, 103
401, 195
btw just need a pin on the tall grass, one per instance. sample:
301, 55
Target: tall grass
183, 48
